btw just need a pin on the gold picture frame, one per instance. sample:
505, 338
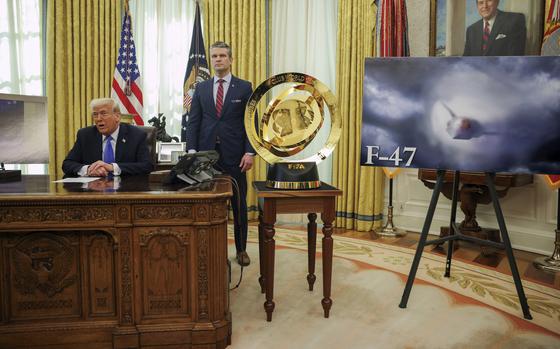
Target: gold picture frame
464, 13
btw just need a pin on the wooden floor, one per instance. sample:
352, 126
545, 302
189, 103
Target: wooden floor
466, 252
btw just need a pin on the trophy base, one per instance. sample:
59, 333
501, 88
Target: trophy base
293, 176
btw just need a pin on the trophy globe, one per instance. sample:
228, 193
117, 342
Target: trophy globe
298, 129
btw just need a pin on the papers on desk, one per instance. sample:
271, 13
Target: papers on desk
77, 180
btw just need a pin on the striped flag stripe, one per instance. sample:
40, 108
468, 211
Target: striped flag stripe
136, 96
137, 92
126, 103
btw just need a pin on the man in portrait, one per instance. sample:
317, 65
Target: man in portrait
497, 33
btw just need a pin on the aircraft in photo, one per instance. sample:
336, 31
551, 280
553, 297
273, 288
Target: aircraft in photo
463, 127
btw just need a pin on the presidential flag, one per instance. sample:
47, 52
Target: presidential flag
197, 70
392, 39
126, 88
551, 47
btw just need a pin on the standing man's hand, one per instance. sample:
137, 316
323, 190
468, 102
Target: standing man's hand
246, 162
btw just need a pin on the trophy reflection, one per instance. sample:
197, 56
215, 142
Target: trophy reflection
285, 135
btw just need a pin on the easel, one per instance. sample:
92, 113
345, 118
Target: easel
455, 234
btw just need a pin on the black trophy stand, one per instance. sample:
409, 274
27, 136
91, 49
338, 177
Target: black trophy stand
455, 234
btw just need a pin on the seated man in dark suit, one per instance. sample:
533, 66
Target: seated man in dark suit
108, 147
498, 33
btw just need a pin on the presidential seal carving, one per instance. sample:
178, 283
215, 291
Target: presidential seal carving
43, 263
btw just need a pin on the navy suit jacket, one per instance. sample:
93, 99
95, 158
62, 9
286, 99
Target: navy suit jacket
131, 154
507, 38
204, 126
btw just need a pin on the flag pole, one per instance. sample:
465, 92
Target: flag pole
127, 89
552, 263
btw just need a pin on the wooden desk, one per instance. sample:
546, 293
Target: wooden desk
144, 265
276, 201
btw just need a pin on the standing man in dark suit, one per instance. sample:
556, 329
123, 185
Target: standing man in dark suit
108, 147
216, 121
498, 33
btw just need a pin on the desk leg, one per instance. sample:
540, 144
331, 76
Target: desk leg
261, 252
328, 217
269, 218
311, 248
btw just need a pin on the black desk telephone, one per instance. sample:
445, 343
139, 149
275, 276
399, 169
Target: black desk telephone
195, 168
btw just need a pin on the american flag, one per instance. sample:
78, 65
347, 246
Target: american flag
197, 70
126, 87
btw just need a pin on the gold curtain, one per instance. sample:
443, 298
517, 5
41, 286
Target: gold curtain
361, 204
242, 24
82, 42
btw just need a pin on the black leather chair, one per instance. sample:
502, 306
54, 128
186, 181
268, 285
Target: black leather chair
151, 140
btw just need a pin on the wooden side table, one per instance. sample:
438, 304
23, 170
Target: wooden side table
276, 201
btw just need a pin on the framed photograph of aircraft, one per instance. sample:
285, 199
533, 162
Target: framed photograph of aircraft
489, 114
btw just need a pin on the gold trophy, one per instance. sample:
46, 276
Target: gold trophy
290, 134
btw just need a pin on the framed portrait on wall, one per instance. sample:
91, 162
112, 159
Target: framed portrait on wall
457, 27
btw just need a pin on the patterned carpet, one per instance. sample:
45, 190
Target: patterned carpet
475, 307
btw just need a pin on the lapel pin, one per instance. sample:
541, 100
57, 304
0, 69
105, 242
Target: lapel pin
124, 140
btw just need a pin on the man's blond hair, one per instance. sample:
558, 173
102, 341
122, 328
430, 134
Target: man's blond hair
98, 102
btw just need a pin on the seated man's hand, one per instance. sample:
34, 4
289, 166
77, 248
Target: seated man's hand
99, 169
